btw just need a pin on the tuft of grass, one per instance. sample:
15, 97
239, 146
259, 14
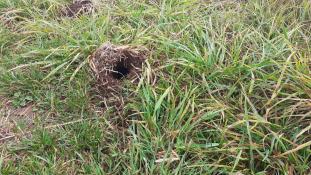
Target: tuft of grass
226, 89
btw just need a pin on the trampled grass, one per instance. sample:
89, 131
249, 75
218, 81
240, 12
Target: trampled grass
226, 88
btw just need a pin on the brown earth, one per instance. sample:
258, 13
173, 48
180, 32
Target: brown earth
77, 8
112, 65
14, 121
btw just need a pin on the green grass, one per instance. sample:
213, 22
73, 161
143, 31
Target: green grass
226, 87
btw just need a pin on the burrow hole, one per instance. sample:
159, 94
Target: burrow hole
120, 70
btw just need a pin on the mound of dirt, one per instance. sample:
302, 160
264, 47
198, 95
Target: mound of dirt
77, 8
112, 64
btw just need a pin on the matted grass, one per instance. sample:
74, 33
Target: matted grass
226, 88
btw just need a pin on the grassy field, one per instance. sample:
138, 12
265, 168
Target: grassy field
226, 88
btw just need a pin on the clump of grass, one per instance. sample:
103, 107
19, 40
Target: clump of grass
226, 88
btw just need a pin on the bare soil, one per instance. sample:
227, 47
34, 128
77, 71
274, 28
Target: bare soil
112, 65
77, 8
14, 121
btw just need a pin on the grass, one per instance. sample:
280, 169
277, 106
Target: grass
226, 89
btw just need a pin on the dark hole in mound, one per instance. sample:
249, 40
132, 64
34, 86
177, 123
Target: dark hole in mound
120, 71
112, 65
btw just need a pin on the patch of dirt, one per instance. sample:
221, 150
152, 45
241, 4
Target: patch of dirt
10, 19
112, 65
14, 121
77, 8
